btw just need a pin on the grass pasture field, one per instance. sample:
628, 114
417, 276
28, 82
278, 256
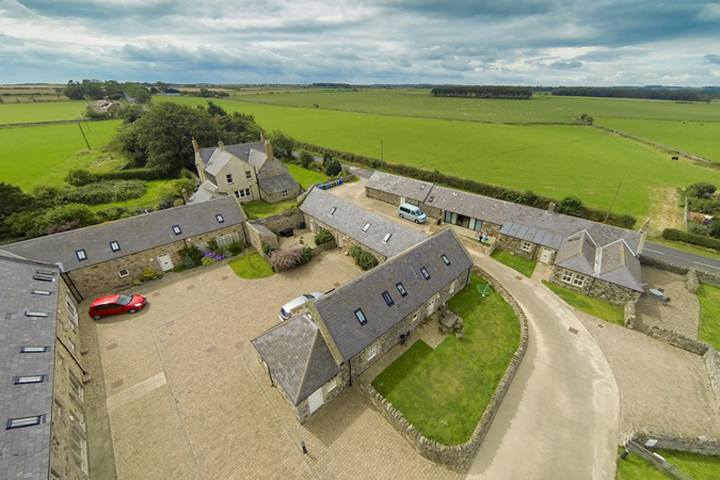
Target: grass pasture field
552, 160
41, 111
44, 154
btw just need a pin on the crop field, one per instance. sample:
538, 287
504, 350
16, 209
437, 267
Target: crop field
40, 112
552, 160
698, 138
43, 155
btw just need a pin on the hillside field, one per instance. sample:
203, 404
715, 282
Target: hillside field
44, 154
41, 112
552, 160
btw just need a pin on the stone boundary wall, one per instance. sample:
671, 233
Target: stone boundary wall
458, 457
630, 315
257, 234
280, 221
676, 340
701, 445
663, 265
712, 364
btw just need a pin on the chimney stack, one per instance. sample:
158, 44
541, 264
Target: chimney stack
643, 236
195, 145
262, 137
268, 149
221, 145
551, 208
184, 195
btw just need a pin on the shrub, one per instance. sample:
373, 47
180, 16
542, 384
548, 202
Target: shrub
150, 274
285, 260
364, 260
323, 236
700, 189
217, 256
234, 248
305, 255
333, 167
306, 158
191, 255
146, 174
570, 206
208, 261
697, 229
106, 192
79, 177
212, 245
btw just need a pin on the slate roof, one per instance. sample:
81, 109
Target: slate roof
242, 151
365, 292
206, 191
350, 220
134, 234
218, 160
25, 452
405, 187
499, 212
297, 356
614, 262
278, 183
532, 234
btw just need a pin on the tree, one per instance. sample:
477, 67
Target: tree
528, 198
74, 91
282, 143
130, 113
13, 199
700, 189
215, 109
237, 128
326, 159
205, 93
334, 167
715, 229
137, 92
75, 215
77, 177
93, 89
161, 86
570, 206
306, 158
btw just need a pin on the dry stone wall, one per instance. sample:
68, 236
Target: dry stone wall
703, 446
280, 221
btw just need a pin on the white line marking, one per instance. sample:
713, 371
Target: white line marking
706, 265
654, 251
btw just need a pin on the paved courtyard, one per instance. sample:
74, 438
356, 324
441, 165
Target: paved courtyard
187, 398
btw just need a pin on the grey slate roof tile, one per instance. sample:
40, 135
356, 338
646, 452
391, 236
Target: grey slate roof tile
350, 220
297, 356
278, 183
241, 151
405, 187
532, 234
365, 292
134, 234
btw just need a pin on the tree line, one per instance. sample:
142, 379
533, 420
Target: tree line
97, 90
625, 92
482, 91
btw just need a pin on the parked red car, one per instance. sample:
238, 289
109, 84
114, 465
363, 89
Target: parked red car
114, 304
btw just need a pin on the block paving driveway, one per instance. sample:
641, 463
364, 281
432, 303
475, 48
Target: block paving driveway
187, 398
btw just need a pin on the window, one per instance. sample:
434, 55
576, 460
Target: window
333, 210
387, 237
219, 218
372, 351
388, 299
365, 228
360, 316
573, 278
226, 240
80, 254
445, 259
422, 187
228, 177
242, 193
176, 229
45, 272
30, 313
73, 312
115, 246
248, 175
526, 246
401, 289
30, 379
332, 384
285, 193
452, 288
123, 273
432, 197
579, 280
41, 292
567, 276
425, 273
71, 345
24, 422
33, 349
43, 279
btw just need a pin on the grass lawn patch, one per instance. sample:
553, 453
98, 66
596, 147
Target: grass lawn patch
696, 465
250, 266
304, 176
444, 392
149, 200
42, 112
516, 262
709, 296
261, 208
589, 305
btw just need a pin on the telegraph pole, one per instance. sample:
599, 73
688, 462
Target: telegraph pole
382, 162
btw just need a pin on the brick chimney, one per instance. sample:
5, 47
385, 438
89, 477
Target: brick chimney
268, 149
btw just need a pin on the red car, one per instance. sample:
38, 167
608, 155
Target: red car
114, 304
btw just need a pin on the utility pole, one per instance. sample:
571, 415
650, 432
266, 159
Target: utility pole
84, 137
613, 202
382, 162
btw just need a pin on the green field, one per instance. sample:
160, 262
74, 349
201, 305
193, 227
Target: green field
41, 112
552, 160
43, 155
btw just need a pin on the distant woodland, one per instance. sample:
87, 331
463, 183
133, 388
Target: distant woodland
482, 91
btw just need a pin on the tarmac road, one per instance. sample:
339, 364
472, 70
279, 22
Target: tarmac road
672, 255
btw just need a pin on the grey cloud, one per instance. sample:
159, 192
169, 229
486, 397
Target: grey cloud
713, 58
107, 10
566, 65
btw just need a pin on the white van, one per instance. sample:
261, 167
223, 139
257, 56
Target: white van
411, 212
287, 310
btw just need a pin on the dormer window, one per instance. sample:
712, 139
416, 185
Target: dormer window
43, 279
445, 259
387, 237
176, 229
360, 316
432, 197
219, 218
45, 272
388, 299
33, 349
425, 273
422, 187
365, 228
115, 246
81, 254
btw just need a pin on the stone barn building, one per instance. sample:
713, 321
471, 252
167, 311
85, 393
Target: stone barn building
314, 356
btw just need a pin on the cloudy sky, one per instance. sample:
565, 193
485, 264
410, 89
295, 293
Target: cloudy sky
527, 42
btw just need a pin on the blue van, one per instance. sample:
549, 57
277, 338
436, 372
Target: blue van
411, 212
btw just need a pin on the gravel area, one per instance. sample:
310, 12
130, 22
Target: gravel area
681, 315
663, 389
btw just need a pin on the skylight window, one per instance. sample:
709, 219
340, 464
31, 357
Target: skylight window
43, 279
422, 187
24, 422
401, 289
432, 197
115, 246
41, 292
219, 218
31, 313
387, 237
388, 299
81, 254
332, 210
33, 349
45, 272
425, 273
30, 379
365, 228
176, 229
445, 259
360, 316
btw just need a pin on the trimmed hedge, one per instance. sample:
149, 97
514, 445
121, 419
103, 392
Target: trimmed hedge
147, 174
469, 185
363, 259
681, 236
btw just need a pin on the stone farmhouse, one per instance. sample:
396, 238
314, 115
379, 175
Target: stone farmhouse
42, 375
247, 171
532, 233
106, 106
354, 225
110, 256
314, 356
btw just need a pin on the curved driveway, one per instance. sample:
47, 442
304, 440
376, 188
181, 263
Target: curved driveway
561, 415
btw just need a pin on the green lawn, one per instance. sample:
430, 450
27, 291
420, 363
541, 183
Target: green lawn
43, 155
700, 467
261, 208
709, 296
250, 266
304, 176
516, 262
553, 160
592, 306
41, 111
444, 392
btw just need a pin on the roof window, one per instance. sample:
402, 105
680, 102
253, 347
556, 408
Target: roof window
45, 272
387, 237
332, 210
445, 259
115, 246
81, 254
401, 289
41, 292
360, 316
422, 187
33, 349
425, 273
176, 229
365, 228
432, 197
388, 299
24, 422
32, 313
43, 279
219, 218
455, 193
30, 379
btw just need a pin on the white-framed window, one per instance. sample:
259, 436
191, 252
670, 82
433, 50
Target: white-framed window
76, 387
123, 273
225, 240
573, 278
73, 312
332, 384
71, 345
372, 352
567, 276
579, 280
452, 287
242, 193
526, 246
228, 177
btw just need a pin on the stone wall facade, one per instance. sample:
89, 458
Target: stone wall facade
257, 235
280, 221
712, 365
514, 245
458, 457
105, 277
387, 197
280, 196
630, 314
596, 288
